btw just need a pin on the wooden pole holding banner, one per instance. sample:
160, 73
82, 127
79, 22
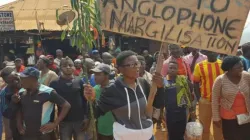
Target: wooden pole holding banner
153, 89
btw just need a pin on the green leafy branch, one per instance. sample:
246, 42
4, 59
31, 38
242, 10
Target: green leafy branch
81, 35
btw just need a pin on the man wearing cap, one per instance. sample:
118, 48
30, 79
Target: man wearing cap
104, 123
96, 56
36, 104
19, 65
46, 75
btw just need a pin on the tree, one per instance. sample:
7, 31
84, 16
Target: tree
81, 35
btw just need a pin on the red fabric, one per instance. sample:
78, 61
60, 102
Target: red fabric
238, 107
52, 66
77, 72
21, 69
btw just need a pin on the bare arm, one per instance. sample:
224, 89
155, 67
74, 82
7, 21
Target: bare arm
197, 91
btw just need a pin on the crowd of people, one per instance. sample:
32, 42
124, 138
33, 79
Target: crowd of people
52, 99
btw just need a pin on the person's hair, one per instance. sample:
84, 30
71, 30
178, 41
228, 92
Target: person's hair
173, 62
7, 71
11, 56
245, 47
45, 60
229, 62
141, 58
171, 46
122, 56
66, 59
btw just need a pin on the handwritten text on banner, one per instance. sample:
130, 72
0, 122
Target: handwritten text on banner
214, 25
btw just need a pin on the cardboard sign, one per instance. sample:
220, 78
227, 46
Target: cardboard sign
214, 25
7, 21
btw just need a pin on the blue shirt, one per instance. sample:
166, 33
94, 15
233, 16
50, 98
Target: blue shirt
91, 80
246, 63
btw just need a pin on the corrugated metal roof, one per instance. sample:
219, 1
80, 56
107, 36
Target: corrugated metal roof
25, 13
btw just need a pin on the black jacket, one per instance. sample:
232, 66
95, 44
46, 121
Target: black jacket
126, 104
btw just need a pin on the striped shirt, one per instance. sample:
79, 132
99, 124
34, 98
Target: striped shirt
224, 93
205, 73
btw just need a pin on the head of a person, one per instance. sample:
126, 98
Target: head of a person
95, 54
232, 65
239, 52
67, 66
9, 57
10, 77
59, 53
142, 60
145, 53
128, 64
156, 55
210, 55
18, 62
246, 50
29, 78
172, 68
78, 63
175, 50
102, 72
51, 59
90, 64
194, 51
107, 58
42, 63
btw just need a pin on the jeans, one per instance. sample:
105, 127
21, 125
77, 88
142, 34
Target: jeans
69, 129
205, 114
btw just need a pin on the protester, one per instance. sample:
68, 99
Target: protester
246, 56
177, 100
46, 75
105, 122
59, 56
8, 60
19, 65
239, 53
153, 68
205, 73
175, 55
96, 56
142, 70
107, 59
90, 64
35, 105
131, 120
52, 65
231, 98
76, 122
148, 59
194, 57
78, 68
9, 115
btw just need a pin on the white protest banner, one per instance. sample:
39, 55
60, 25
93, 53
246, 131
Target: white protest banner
7, 21
214, 25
